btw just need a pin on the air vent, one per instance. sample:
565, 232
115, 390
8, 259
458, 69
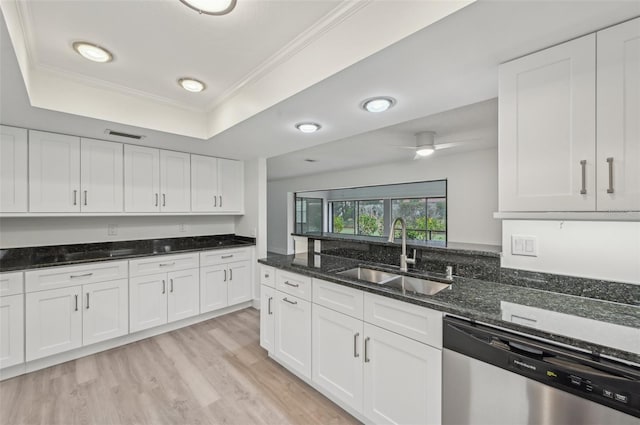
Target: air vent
121, 134
311, 160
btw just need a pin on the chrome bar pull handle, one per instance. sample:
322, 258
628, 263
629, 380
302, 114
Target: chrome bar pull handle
164, 289
167, 264
75, 276
220, 200
269, 305
164, 199
355, 345
230, 274
366, 350
87, 301
285, 299
227, 256
295, 285
76, 303
215, 201
583, 166
225, 276
156, 200
610, 162
171, 281
75, 197
85, 197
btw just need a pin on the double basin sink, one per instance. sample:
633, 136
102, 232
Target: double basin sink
405, 284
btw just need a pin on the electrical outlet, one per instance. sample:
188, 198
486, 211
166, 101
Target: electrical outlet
112, 229
182, 227
524, 245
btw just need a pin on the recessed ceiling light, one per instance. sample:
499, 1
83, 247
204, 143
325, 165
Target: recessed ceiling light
191, 84
378, 104
92, 52
308, 127
211, 7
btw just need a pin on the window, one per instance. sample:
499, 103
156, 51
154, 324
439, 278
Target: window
426, 218
371, 218
343, 217
308, 215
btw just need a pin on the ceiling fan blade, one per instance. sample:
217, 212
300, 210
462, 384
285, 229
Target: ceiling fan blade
416, 156
455, 143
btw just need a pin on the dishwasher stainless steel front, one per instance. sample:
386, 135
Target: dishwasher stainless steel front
493, 377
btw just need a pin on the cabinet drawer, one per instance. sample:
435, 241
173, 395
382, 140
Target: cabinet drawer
223, 256
60, 277
340, 298
11, 284
419, 323
267, 276
293, 284
164, 263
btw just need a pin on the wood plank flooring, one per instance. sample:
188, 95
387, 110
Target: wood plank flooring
214, 372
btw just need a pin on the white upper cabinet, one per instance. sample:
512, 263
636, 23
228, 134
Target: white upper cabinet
547, 129
618, 117
217, 185
204, 183
101, 176
13, 169
54, 172
175, 181
141, 179
231, 185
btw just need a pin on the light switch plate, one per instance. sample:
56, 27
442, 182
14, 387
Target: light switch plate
524, 245
112, 229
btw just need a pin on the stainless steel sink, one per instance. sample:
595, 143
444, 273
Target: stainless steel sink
405, 284
369, 275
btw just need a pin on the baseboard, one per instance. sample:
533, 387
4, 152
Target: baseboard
38, 364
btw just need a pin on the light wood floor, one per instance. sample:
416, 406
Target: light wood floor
214, 372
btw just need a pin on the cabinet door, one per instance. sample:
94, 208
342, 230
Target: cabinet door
175, 181
267, 318
11, 330
141, 179
101, 176
547, 129
54, 172
231, 186
105, 310
204, 183
147, 301
293, 333
337, 355
213, 288
184, 294
13, 169
619, 117
239, 284
53, 322
402, 379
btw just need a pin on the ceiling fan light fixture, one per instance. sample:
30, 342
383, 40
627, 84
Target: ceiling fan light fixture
191, 84
424, 150
92, 52
308, 127
378, 104
211, 7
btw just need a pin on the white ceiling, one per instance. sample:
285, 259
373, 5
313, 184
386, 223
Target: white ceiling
447, 65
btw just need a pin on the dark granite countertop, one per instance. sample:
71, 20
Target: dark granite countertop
13, 259
482, 301
452, 247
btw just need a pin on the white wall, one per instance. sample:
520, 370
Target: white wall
21, 232
592, 249
472, 192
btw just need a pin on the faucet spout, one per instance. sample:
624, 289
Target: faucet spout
403, 256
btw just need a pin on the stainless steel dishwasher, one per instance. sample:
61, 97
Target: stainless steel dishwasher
491, 376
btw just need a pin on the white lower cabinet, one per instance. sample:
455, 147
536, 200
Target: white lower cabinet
293, 333
224, 285
337, 355
53, 322
105, 313
402, 379
267, 318
11, 330
160, 298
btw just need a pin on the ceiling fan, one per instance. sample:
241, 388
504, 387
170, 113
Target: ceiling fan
425, 144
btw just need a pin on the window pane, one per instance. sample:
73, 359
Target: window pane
308, 215
371, 217
343, 217
437, 218
414, 213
